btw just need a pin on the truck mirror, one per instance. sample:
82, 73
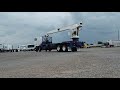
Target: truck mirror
35, 39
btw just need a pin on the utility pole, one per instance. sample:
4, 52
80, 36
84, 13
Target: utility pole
118, 34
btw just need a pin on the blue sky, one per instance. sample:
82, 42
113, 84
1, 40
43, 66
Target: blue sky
23, 27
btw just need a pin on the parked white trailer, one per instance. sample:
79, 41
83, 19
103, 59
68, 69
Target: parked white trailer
8, 48
115, 43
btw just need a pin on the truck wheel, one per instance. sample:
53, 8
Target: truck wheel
64, 49
74, 49
40, 49
58, 48
49, 50
36, 49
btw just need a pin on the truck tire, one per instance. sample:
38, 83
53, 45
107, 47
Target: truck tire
49, 50
58, 48
64, 48
37, 48
40, 49
74, 49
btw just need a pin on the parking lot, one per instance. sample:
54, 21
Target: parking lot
86, 63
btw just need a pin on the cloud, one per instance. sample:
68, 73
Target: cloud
98, 25
23, 27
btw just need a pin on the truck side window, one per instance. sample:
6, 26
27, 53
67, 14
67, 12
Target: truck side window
74, 33
77, 32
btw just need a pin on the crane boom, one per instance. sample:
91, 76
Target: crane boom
71, 27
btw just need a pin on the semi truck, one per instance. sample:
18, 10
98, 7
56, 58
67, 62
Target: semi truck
48, 42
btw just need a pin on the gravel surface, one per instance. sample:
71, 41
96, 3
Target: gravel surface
86, 63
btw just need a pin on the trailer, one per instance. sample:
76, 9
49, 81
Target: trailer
46, 42
6, 48
114, 43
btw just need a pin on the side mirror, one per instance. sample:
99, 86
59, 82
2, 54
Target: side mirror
58, 29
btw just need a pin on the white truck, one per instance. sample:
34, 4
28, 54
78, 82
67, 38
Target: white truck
114, 43
28, 47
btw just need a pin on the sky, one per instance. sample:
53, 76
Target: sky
22, 27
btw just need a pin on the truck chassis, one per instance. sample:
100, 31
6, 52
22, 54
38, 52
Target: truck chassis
60, 47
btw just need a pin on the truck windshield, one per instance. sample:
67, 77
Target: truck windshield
30, 46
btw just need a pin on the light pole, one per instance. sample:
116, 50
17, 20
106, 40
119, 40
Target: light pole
118, 34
